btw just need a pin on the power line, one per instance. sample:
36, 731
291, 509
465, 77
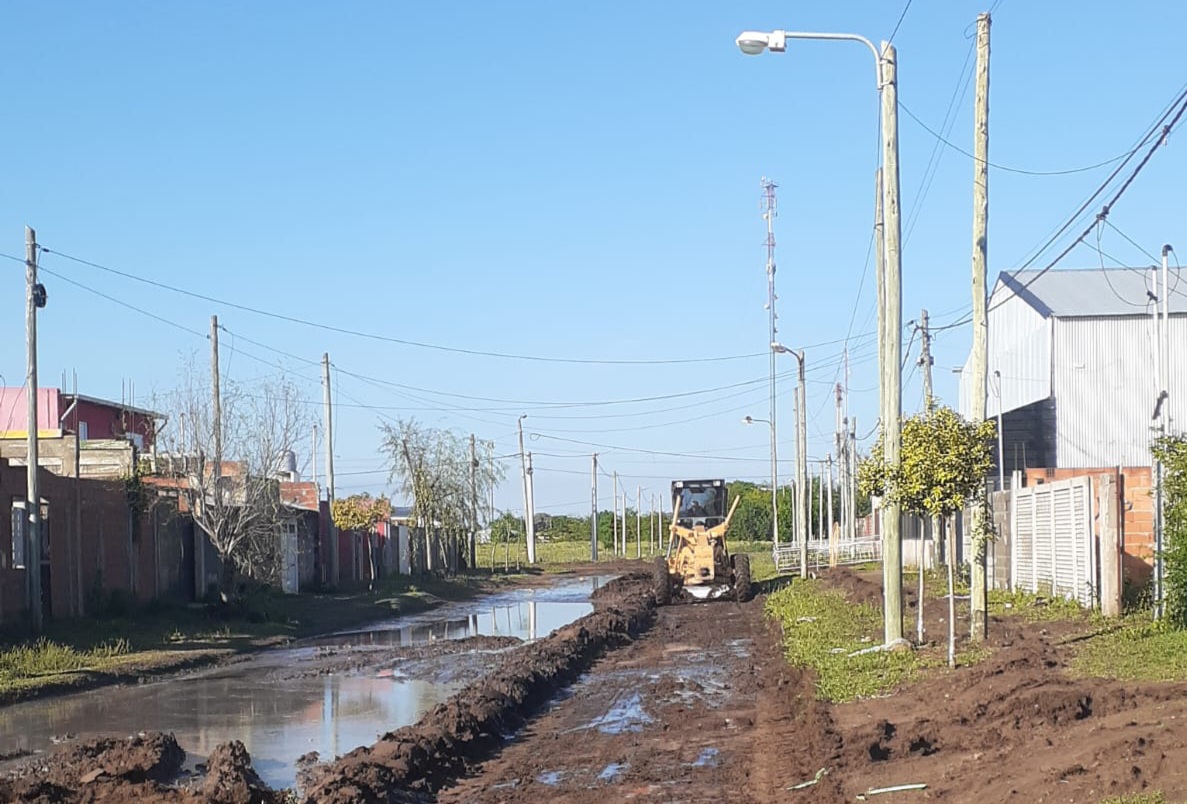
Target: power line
1159, 128
390, 339
901, 17
1006, 168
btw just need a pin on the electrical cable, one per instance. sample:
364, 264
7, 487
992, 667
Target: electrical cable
390, 339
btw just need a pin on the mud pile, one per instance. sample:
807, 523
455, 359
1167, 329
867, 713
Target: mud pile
450, 739
143, 768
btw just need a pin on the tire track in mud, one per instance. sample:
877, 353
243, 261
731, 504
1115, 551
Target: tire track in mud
701, 708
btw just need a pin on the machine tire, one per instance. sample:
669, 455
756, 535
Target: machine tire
743, 591
661, 581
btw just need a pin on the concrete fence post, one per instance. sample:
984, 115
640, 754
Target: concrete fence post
1110, 547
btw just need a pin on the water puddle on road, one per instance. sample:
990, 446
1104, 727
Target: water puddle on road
285, 703
626, 715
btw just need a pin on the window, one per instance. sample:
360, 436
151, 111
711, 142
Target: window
19, 541
83, 431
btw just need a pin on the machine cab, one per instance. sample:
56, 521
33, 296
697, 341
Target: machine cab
699, 503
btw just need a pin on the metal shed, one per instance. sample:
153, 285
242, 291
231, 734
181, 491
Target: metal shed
1074, 351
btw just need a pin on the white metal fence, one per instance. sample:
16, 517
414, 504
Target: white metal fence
1052, 543
848, 551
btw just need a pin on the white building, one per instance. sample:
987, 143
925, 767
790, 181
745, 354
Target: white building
1075, 352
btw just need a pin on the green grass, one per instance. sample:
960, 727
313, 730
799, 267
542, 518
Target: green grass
1134, 651
821, 628
1034, 608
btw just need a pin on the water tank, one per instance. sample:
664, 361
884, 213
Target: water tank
288, 465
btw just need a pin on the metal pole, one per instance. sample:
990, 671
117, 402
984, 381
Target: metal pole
829, 534
33, 493
820, 501
892, 546
474, 501
769, 217
614, 518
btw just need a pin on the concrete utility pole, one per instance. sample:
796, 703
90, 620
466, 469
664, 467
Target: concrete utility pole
820, 502
34, 298
892, 542
474, 501
852, 437
829, 461
593, 512
978, 591
529, 524
925, 359
327, 407
841, 439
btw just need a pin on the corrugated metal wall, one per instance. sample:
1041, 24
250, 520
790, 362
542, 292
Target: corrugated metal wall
1104, 389
1020, 348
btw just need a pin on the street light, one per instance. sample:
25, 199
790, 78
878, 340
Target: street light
774, 477
801, 455
754, 43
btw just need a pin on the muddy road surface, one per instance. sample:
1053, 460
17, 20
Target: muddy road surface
701, 708
326, 695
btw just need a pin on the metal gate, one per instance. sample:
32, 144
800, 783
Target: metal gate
1052, 546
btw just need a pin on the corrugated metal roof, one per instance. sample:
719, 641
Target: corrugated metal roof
1089, 292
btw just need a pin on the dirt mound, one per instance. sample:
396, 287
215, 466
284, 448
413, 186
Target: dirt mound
622, 588
230, 778
449, 739
105, 770
857, 588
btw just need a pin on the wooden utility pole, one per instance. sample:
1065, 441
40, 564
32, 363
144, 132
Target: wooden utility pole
880, 280
473, 501
34, 298
593, 511
978, 598
614, 518
892, 541
638, 522
216, 401
531, 534
529, 526
332, 531
925, 359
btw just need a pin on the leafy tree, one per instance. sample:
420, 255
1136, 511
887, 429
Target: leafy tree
362, 513
942, 465
435, 471
1172, 452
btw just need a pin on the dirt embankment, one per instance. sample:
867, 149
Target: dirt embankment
464, 730
405, 765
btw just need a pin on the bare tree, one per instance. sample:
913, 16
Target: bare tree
435, 471
237, 504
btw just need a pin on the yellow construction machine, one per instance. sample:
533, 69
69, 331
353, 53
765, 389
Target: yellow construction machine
698, 564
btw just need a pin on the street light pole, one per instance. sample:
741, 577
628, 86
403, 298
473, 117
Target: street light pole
774, 488
886, 69
803, 501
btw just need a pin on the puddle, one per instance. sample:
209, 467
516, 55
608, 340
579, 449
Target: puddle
626, 715
279, 718
707, 758
612, 771
550, 778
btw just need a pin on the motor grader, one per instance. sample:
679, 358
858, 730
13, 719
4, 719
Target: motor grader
698, 564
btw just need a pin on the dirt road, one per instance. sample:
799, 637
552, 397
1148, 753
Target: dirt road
695, 710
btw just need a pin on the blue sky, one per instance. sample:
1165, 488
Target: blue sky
552, 179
